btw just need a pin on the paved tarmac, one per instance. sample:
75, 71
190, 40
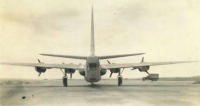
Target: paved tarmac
104, 93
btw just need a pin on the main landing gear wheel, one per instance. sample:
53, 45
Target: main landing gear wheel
65, 84
120, 79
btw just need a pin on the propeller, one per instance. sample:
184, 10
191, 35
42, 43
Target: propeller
39, 61
110, 71
39, 72
122, 70
142, 60
111, 74
108, 62
62, 70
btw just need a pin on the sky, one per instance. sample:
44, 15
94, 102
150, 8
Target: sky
166, 30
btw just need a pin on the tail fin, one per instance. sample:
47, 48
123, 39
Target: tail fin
92, 45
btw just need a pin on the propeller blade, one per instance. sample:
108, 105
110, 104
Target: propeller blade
122, 70
142, 60
39, 74
147, 72
62, 70
39, 61
108, 62
111, 74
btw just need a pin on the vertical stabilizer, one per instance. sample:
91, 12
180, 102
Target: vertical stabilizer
92, 45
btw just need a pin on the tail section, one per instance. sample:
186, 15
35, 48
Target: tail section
92, 45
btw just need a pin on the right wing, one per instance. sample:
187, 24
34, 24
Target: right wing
136, 65
46, 65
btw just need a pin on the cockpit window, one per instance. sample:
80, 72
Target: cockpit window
92, 65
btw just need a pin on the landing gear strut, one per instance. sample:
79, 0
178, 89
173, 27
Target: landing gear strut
65, 78
120, 79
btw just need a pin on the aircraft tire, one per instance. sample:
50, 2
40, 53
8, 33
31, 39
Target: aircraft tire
120, 79
65, 84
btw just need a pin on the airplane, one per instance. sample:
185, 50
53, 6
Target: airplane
93, 70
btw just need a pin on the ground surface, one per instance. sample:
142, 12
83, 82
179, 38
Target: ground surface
105, 93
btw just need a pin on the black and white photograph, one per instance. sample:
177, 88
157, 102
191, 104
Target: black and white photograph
99, 53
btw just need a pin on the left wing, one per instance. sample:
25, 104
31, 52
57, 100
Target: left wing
136, 65
46, 65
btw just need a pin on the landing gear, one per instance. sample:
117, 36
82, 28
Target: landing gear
65, 78
120, 79
65, 83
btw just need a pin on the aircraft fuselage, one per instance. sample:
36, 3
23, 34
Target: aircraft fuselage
92, 69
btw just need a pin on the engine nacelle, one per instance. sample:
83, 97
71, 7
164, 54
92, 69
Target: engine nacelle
114, 70
103, 72
40, 69
82, 72
143, 68
68, 70
152, 77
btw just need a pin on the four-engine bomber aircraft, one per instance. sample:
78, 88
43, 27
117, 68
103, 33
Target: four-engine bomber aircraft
93, 70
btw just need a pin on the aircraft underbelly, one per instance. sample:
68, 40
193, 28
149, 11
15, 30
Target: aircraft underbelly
93, 75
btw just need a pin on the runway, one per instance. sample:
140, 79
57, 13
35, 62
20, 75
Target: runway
104, 93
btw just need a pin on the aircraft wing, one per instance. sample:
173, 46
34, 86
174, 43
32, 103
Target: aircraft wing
46, 65
136, 65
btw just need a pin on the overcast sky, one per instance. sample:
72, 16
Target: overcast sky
166, 30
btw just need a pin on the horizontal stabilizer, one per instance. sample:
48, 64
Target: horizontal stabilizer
65, 56
121, 55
